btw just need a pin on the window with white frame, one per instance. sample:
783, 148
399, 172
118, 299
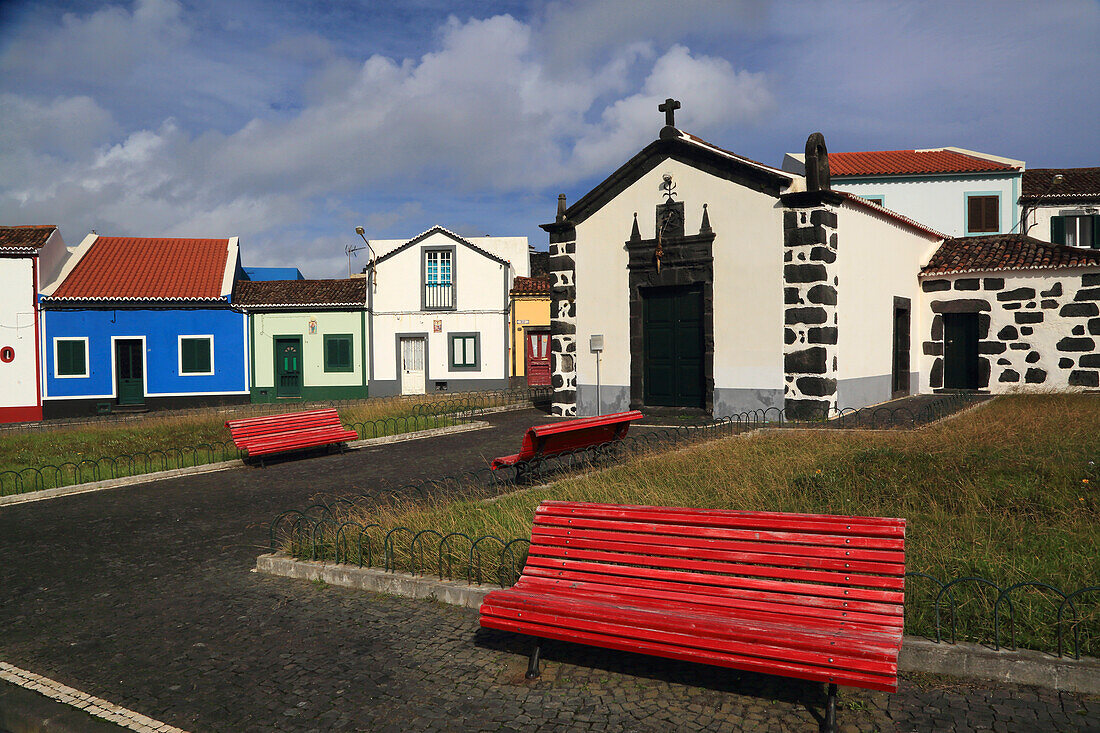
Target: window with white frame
70, 357
196, 355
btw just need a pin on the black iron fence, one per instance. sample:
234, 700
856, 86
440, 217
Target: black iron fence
448, 411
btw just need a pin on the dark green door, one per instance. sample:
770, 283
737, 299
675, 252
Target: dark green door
288, 367
129, 368
672, 328
960, 350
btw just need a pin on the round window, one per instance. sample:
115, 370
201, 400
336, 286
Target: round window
7, 354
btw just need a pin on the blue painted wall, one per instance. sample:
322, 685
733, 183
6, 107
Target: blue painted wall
161, 329
273, 273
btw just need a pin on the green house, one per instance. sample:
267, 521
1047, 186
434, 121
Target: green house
307, 338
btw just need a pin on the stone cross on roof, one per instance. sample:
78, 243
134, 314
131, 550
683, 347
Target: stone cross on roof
669, 107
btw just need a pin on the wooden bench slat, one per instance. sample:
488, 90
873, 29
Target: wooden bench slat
680, 562
822, 523
769, 552
288, 431
621, 622
848, 543
543, 441
762, 603
752, 664
658, 510
704, 620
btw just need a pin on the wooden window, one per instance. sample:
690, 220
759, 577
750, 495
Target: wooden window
71, 357
1076, 230
196, 355
983, 214
338, 352
465, 350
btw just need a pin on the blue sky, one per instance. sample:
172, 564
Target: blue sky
290, 123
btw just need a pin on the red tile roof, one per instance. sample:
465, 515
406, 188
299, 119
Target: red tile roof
899, 162
146, 268
301, 294
531, 285
32, 236
1006, 252
1077, 184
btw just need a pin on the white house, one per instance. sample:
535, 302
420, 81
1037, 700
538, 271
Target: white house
438, 312
30, 256
1062, 205
696, 279
955, 191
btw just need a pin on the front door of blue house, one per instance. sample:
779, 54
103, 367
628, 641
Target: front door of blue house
129, 371
288, 366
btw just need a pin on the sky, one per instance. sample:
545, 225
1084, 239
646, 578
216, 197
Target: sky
289, 124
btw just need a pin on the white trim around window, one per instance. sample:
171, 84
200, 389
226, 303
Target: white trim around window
179, 353
56, 373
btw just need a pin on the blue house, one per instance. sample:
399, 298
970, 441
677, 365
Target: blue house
267, 274
134, 324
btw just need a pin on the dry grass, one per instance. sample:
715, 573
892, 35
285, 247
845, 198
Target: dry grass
1006, 492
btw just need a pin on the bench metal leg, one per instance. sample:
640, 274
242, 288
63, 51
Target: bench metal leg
830, 710
533, 665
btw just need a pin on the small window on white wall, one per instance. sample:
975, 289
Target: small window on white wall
464, 351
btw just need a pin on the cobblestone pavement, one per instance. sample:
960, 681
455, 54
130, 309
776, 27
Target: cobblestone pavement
143, 596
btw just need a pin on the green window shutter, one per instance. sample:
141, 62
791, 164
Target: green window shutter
337, 350
1095, 231
195, 356
70, 358
1058, 229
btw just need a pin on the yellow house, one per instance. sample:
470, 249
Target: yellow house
530, 347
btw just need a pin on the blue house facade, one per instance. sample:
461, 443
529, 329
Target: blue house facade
142, 324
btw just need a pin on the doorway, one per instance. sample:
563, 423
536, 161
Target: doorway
412, 365
288, 366
130, 371
537, 366
673, 354
899, 383
960, 351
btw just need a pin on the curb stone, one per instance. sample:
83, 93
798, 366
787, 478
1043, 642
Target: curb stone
962, 659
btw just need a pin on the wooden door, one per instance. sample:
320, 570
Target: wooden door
960, 351
900, 383
288, 366
412, 366
538, 358
130, 371
672, 327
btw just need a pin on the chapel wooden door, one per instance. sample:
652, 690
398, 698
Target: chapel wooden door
537, 365
672, 327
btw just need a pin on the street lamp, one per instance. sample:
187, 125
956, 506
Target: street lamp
350, 250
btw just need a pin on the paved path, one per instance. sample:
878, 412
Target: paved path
143, 596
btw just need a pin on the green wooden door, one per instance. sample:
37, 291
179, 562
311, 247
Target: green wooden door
129, 370
672, 327
288, 367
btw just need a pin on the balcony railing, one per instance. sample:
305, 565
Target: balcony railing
439, 296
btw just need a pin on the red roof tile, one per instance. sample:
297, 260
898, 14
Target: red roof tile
146, 268
1006, 252
531, 285
32, 236
899, 162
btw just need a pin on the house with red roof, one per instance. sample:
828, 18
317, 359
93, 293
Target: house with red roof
29, 257
953, 190
138, 323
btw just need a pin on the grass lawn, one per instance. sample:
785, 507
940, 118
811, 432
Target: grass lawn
1007, 492
154, 442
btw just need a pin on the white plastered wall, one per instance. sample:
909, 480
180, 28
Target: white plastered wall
18, 378
1038, 219
878, 258
748, 276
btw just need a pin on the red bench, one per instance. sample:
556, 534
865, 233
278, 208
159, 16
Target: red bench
259, 436
811, 596
543, 441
